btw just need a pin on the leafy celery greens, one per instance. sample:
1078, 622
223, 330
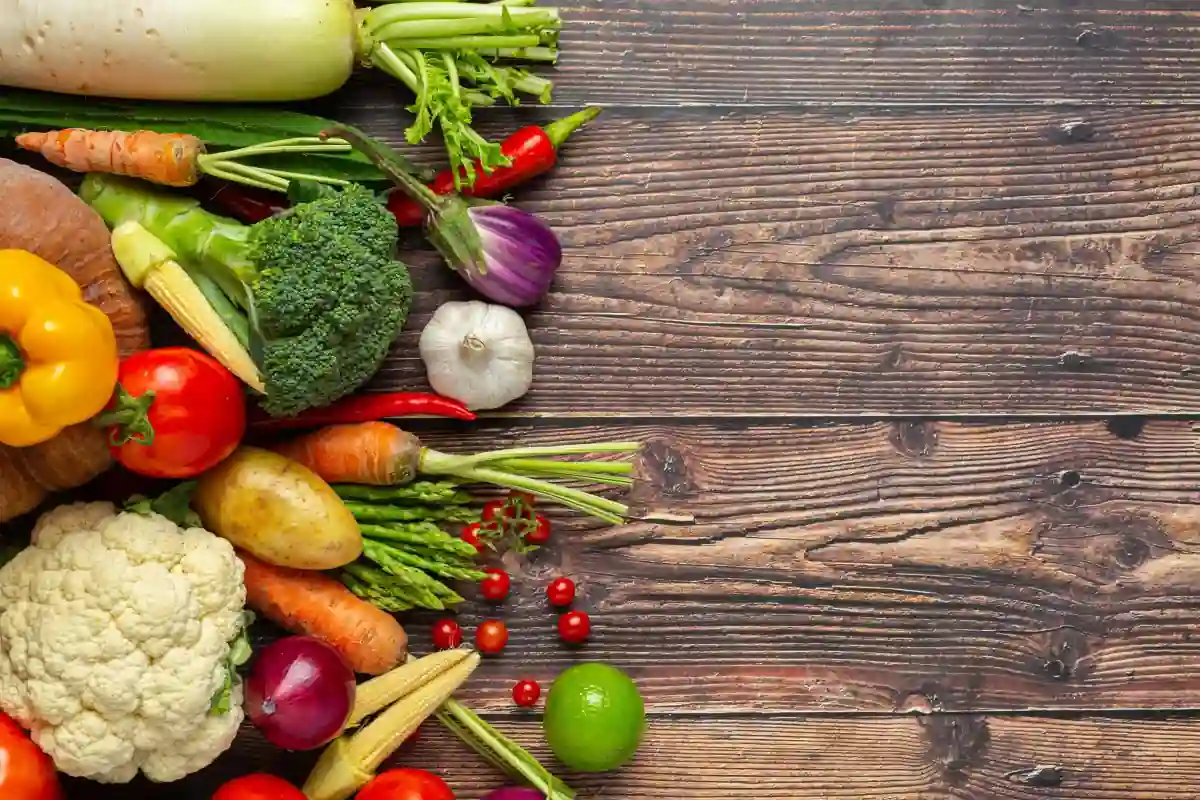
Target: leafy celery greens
447, 54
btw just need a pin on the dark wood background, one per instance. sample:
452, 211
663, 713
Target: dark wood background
902, 295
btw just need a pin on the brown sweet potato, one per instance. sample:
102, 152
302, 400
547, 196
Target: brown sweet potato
43, 216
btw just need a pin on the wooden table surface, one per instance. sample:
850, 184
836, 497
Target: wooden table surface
902, 296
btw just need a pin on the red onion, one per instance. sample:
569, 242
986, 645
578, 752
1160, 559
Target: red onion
507, 255
515, 793
300, 693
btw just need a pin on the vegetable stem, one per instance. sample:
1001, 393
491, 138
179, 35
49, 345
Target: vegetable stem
500, 751
563, 450
468, 42
12, 364
561, 129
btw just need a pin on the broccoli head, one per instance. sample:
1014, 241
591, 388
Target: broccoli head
329, 298
315, 294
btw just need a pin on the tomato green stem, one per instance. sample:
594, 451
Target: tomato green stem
129, 419
12, 364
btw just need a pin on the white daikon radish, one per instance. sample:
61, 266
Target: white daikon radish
204, 50
286, 50
265, 50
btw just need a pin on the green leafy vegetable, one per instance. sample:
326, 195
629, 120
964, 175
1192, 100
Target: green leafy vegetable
174, 504
239, 653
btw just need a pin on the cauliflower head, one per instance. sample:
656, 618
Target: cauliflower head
115, 631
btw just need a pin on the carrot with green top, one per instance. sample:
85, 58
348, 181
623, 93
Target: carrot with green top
380, 454
173, 159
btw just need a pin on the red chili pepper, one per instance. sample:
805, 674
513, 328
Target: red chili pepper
246, 204
366, 408
530, 151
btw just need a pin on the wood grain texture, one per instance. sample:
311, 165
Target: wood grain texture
874, 52
793, 264
876, 568
940, 757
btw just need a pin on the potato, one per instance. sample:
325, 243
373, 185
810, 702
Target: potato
277, 510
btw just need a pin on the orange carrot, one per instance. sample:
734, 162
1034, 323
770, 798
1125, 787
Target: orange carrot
313, 604
375, 453
171, 159
380, 454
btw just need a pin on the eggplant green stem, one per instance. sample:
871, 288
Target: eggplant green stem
385, 158
12, 364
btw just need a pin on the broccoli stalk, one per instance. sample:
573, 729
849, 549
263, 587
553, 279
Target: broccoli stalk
315, 294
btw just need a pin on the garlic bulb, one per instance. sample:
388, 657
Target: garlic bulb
477, 353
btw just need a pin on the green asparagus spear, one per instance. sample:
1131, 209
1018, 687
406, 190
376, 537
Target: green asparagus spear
414, 589
365, 512
380, 552
391, 561
421, 534
427, 492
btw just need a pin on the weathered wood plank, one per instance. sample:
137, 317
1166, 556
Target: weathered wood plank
877, 568
792, 264
882, 52
940, 757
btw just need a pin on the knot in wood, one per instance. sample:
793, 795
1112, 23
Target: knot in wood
1126, 428
956, 743
1094, 39
1131, 552
1041, 776
664, 470
1075, 361
915, 438
1071, 132
1065, 648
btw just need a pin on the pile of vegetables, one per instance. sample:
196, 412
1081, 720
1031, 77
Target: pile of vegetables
303, 306
448, 53
269, 237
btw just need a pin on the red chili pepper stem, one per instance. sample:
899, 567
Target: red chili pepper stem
560, 130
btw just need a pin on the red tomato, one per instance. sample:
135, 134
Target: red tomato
526, 693
184, 411
496, 585
561, 592
574, 627
491, 637
405, 784
541, 531
447, 634
470, 535
494, 509
258, 786
26, 773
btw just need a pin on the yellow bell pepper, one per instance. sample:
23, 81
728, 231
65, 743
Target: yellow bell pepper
58, 355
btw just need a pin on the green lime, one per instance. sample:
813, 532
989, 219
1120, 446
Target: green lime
594, 717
